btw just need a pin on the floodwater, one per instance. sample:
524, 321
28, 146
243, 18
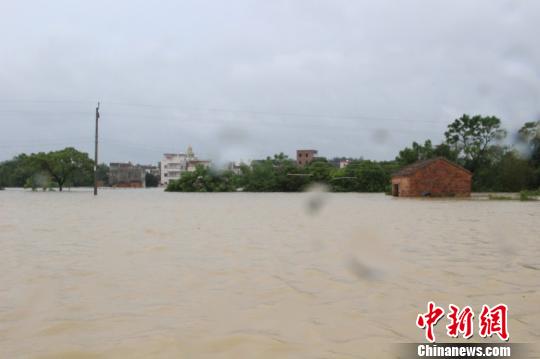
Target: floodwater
144, 273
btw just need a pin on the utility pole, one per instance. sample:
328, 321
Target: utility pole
96, 151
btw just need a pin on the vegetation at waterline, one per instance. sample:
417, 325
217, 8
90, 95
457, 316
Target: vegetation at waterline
529, 195
498, 197
281, 174
55, 169
475, 142
525, 195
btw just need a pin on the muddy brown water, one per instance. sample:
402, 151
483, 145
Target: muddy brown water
144, 273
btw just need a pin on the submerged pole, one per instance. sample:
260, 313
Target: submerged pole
96, 151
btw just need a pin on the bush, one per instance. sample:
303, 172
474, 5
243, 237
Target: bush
529, 195
203, 180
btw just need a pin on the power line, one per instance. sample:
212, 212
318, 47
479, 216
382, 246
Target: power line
257, 122
238, 111
261, 118
279, 114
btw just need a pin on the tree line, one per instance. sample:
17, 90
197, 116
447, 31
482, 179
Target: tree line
281, 174
475, 142
56, 170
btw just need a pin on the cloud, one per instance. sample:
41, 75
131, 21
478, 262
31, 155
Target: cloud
327, 74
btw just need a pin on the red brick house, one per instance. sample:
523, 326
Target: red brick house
435, 177
304, 157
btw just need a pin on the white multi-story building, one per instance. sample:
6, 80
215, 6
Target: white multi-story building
174, 164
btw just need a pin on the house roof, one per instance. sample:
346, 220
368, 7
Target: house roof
415, 167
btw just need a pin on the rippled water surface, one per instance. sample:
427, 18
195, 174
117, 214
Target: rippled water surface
143, 273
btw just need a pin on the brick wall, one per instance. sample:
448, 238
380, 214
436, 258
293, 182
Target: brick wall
303, 157
440, 179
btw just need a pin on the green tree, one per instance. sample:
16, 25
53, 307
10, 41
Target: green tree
418, 152
529, 135
507, 172
444, 150
14, 172
63, 166
361, 176
275, 174
512, 173
320, 170
471, 138
203, 180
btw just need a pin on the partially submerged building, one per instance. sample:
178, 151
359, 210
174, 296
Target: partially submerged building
437, 177
172, 165
126, 175
153, 170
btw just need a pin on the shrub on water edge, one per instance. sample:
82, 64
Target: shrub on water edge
529, 195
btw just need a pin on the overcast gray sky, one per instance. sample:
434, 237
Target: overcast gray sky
244, 79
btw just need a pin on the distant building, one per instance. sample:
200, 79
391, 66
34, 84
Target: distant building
192, 165
235, 167
153, 170
126, 175
341, 162
344, 163
304, 157
173, 165
435, 177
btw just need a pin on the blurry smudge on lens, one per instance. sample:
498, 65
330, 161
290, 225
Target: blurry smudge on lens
380, 136
360, 270
316, 199
368, 256
232, 135
231, 144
